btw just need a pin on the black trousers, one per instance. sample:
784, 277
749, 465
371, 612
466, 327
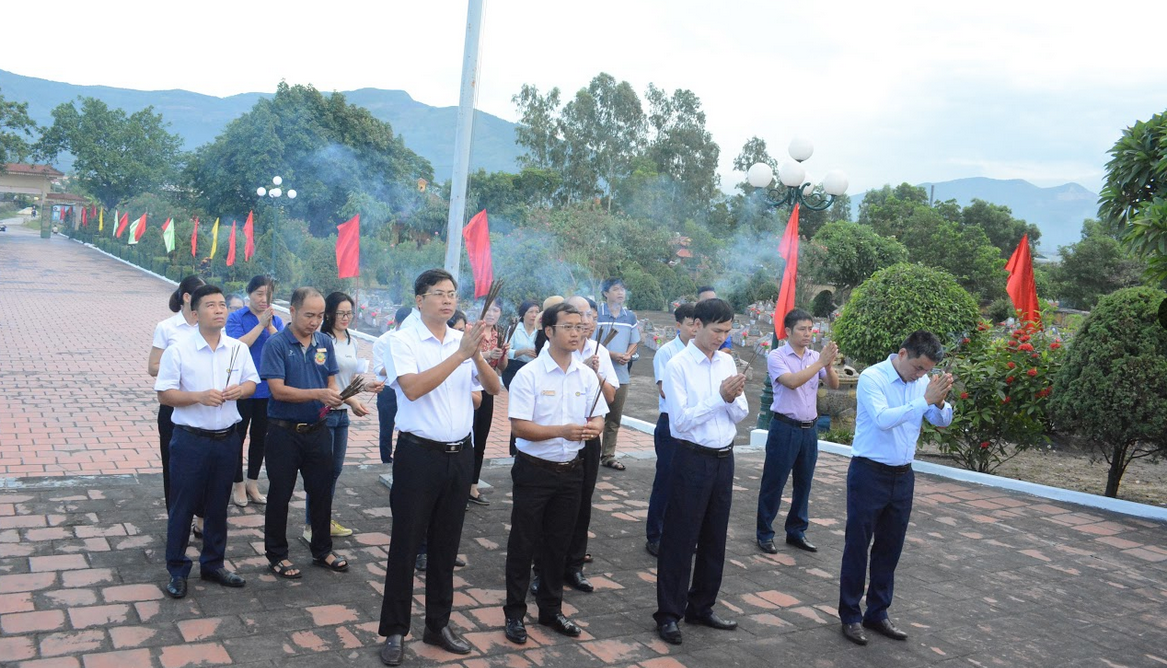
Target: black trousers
202, 479
542, 519
165, 434
483, 419
700, 492
578, 548
428, 501
310, 455
254, 414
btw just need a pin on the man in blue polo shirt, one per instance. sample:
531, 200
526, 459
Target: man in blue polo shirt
613, 317
300, 367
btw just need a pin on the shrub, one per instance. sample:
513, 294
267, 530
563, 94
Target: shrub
1001, 310
823, 304
644, 291
1112, 389
840, 436
758, 287
898, 300
1000, 398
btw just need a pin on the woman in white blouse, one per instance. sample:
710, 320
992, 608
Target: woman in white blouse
522, 342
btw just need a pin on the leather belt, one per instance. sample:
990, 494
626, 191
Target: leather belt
801, 424
903, 468
547, 465
448, 447
708, 452
298, 427
216, 434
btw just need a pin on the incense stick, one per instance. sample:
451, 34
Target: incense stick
491, 295
231, 365
608, 339
757, 349
355, 387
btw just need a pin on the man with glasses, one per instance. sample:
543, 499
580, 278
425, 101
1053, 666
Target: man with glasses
299, 365
433, 369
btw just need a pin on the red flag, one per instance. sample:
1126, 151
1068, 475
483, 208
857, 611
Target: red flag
249, 236
1021, 287
122, 225
788, 249
141, 228
477, 236
194, 239
231, 246
85, 217
348, 248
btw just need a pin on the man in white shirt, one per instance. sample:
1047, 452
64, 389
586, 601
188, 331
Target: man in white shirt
893, 398
554, 407
432, 368
705, 401
662, 437
202, 375
387, 401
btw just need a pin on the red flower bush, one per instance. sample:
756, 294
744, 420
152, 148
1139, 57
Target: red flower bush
1032, 373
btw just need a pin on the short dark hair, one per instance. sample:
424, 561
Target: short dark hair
431, 277
610, 283
300, 294
593, 305
262, 280
203, 291
551, 315
188, 285
458, 315
331, 303
924, 343
795, 316
713, 311
403, 313
705, 288
684, 311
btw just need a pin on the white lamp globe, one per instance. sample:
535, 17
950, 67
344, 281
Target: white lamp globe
291, 194
277, 180
261, 191
792, 174
760, 175
801, 149
808, 190
835, 182
276, 192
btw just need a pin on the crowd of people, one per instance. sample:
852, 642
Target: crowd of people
229, 370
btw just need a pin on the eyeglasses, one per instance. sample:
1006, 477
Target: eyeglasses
571, 328
442, 294
344, 314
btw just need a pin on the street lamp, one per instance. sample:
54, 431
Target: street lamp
274, 193
793, 187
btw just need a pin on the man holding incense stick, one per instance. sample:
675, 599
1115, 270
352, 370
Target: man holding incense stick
554, 408
202, 376
433, 369
613, 317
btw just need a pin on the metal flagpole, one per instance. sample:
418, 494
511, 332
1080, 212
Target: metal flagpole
463, 137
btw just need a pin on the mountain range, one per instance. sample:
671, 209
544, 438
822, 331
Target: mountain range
429, 131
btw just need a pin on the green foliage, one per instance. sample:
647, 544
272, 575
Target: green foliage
16, 129
1001, 310
759, 286
116, 156
846, 254
1001, 396
897, 301
823, 304
997, 222
1096, 265
644, 291
1112, 390
1133, 201
840, 436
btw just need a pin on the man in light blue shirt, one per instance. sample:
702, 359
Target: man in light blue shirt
893, 399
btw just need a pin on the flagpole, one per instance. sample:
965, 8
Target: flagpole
463, 137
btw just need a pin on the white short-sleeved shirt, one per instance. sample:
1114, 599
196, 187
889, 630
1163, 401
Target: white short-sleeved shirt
167, 332
545, 394
697, 413
659, 361
446, 413
593, 347
191, 366
348, 360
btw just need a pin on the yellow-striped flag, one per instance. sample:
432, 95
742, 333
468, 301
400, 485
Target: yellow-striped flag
101, 220
214, 238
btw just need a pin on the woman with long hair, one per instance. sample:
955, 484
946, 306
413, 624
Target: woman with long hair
496, 357
522, 343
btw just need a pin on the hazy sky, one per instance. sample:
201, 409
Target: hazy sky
888, 92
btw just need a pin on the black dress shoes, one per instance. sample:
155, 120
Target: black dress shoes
801, 543
447, 640
576, 580
653, 548
768, 546
516, 631
712, 621
459, 562
886, 628
176, 588
420, 564
561, 624
854, 633
535, 584
223, 577
393, 651
670, 633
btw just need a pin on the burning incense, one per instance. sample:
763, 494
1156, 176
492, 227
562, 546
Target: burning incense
355, 387
491, 295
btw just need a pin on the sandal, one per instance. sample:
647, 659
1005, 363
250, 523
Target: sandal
588, 558
614, 464
283, 571
337, 565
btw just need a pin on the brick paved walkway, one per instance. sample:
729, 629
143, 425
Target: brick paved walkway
77, 399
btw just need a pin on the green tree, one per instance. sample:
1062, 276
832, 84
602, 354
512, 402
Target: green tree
897, 301
603, 128
1133, 202
846, 254
1112, 390
115, 156
682, 149
1096, 265
886, 207
997, 222
16, 129
538, 129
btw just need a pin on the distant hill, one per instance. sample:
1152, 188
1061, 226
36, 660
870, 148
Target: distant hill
198, 119
1058, 211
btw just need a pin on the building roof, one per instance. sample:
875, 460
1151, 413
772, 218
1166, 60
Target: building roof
36, 170
66, 198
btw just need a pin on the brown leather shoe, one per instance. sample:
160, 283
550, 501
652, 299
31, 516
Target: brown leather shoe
854, 633
886, 628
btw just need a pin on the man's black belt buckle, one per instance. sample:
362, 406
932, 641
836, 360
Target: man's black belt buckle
448, 447
546, 464
801, 424
216, 434
902, 468
298, 427
720, 453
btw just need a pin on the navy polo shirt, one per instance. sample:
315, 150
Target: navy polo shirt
285, 358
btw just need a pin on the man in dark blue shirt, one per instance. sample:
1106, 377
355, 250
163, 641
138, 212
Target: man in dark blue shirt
299, 365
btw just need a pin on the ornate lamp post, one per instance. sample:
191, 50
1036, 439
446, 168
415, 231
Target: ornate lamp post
793, 187
275, 193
